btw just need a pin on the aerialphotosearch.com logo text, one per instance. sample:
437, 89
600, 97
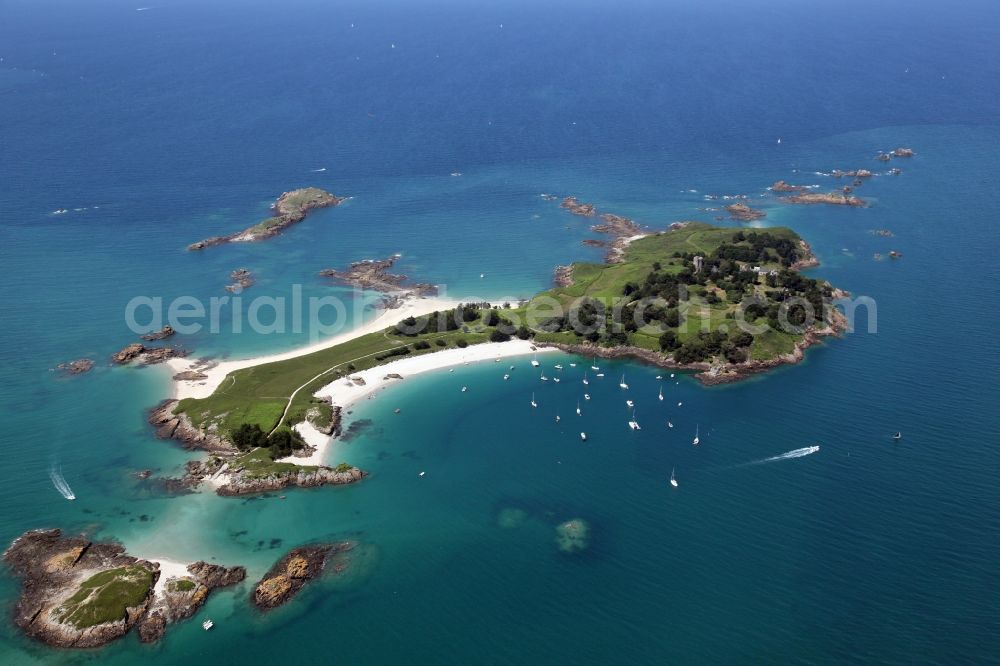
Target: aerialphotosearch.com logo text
323, 316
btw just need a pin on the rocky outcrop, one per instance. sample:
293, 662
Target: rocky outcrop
292, 572
65, 596
563, 276
830, 198
189, 376
622, 229
573, 205
213, 575
744, 213
374, 274
179, 427
147, 355
903, 152
806, 257
182, 597
855, 173
290, 208
782, 186
77, 367
306, 477
161, 334
241, 278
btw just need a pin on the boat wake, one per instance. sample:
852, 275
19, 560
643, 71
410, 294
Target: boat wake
55, 473
797, 453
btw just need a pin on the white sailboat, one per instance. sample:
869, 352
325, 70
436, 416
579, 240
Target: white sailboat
543, 377
586, 396
697, 440
464, 389
629, 403
661, 393
534, 362
207, 624
533, 403
594, 366
622, 383
673, 481
555, 379
506, 377
578, 408
669, 424
585, 380
583, 436
557, 418
558, 367
633, 424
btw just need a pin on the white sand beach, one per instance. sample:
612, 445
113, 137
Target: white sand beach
168, 569
202, 388
346, 391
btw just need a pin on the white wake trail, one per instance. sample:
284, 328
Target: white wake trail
797, 453
55, 473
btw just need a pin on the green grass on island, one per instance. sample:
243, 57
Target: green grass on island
104, 597
688, 284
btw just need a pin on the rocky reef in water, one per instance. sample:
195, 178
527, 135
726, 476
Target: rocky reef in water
80, 594
242, 279
147, 355
573, 535
76, 367
374, 274
293, 571
573, 205
161, 334
290, 208
621, 229
744, 213
829, 198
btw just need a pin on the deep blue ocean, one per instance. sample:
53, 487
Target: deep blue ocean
186, 119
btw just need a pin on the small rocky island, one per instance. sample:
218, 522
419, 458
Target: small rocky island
80, 594
293, 571
374, 274
290, 208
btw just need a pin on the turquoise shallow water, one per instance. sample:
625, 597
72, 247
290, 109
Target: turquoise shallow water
864, 551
